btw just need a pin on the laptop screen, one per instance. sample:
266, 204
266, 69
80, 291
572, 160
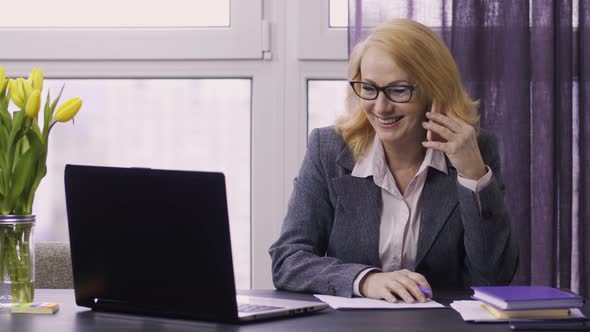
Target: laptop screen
150, 241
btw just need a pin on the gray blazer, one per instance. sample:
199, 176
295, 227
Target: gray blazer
331, 230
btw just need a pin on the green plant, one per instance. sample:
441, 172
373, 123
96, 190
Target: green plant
23, 156
23, 144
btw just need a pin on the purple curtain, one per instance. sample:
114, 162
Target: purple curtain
583, 103
526, 61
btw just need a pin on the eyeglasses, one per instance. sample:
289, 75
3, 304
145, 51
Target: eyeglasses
398, 93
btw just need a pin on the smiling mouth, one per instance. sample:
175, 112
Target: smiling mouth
389, 121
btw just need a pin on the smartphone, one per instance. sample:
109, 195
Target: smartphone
551, 325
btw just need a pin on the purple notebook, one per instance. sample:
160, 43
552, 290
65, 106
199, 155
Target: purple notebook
527, 297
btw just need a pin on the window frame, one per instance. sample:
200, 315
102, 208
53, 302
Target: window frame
241, 40
317, 40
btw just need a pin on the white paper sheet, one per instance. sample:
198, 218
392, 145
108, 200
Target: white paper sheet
338, 302
472, 311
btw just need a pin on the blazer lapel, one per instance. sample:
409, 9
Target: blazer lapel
360, 198
438, 201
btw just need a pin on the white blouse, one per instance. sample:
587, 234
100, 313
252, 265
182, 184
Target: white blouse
400, 214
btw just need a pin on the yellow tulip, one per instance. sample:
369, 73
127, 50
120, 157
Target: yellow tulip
25, 86
2, 79
33, 104
68, 110
36, 79
16, 94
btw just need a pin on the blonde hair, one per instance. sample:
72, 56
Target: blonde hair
426, 58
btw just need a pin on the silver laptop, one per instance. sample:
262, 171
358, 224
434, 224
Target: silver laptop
157, 242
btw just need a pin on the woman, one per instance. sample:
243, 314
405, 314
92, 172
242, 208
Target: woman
405, 191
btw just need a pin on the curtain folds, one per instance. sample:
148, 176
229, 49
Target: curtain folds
583, 53
526, 61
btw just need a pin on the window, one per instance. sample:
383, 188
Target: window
140, 78
158, 31
116, 14
187, 124
326, 102
338, 13
322, 33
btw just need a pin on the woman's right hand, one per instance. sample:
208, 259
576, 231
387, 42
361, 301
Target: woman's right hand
390, 286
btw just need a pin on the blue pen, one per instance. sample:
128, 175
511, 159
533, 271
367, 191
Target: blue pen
425, 290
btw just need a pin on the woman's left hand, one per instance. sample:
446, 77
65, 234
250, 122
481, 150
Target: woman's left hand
461, 143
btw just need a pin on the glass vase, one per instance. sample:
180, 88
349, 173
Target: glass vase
17, 259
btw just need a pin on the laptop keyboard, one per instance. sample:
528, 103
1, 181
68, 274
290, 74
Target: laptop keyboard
255, 308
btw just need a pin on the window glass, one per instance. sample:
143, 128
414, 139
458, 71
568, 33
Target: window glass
326, 100
338, 13
116, 13
183, 124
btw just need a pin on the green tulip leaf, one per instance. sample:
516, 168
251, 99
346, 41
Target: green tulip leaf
39, 169
5, 119
18, 120
22, 172
54, 104
4, 135
2, 187
46, 116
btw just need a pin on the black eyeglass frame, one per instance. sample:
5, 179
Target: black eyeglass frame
411, 86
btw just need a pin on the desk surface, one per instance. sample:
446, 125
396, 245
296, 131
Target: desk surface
73, 318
